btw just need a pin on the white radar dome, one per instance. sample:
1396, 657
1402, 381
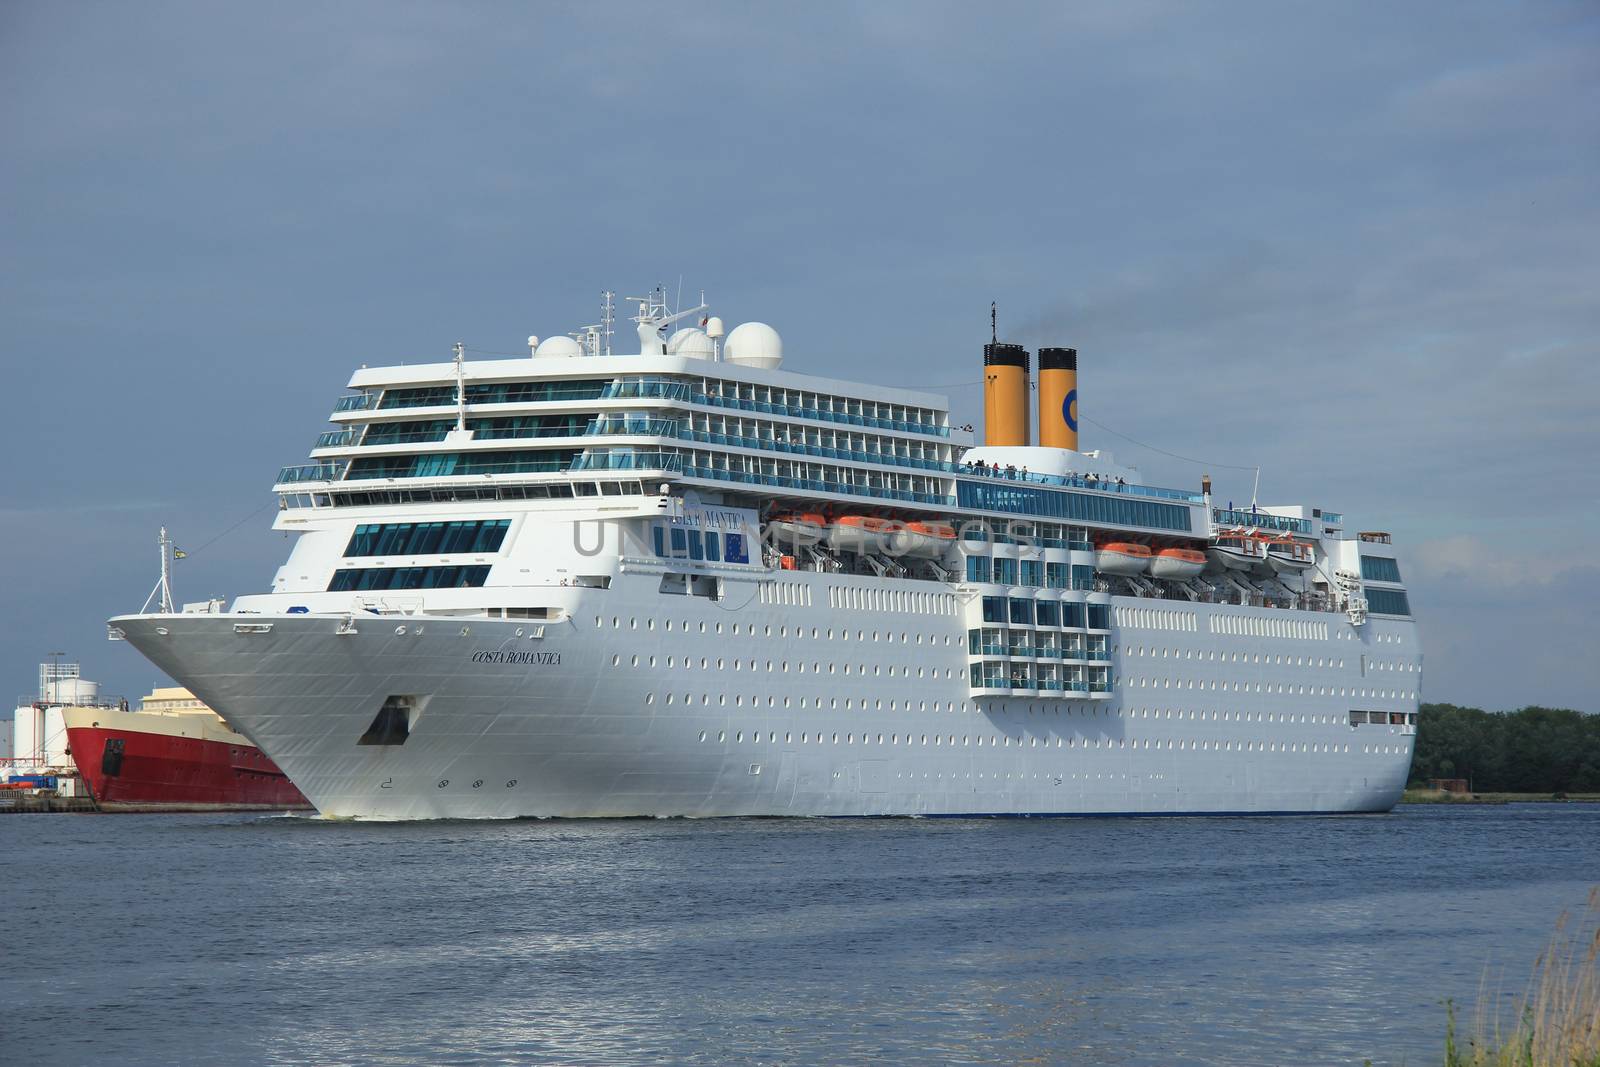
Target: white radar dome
558, 347
754, 344
691, 343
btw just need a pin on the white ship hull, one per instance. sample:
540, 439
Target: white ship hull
521, 719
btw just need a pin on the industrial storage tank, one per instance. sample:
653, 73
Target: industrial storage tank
71, 691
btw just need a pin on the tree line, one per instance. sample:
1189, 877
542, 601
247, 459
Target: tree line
1534, 750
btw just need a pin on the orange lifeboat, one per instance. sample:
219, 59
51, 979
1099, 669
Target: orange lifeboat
1177, 564
798, 528
861, 533
1122, 557
927, 539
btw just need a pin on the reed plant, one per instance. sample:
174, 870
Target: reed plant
1557, 1023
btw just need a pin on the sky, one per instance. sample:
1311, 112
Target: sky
1353, 244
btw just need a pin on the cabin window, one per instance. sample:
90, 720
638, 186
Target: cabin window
979, 569
713, 548
994, 609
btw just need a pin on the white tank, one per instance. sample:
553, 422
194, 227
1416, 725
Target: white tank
72, 691
558, 347
754, 344
693, 343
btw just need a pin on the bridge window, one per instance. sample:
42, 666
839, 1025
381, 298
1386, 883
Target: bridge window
1388, 602
427, 538
1379, 569
364, 578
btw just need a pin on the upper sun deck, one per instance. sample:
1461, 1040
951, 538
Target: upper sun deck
572, 417
932, 409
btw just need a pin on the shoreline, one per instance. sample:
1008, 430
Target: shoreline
1439, 796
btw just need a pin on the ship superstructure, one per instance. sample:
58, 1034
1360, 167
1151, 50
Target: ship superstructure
689, 581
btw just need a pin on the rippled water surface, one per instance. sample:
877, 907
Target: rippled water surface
201, 939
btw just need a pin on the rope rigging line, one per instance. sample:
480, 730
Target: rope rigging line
1164, 452
229, 530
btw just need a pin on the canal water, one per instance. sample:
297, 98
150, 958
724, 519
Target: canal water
276, 940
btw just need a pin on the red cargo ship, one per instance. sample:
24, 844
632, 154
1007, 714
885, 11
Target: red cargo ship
174, 754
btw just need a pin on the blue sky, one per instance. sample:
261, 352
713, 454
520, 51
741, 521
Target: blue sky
1355, 244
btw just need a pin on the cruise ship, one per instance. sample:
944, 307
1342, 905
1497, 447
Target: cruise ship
690, 581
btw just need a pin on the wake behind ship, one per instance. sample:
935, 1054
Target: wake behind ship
690, 582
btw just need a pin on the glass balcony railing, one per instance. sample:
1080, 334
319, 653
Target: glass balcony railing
1081, 481
672, 389
312, 472
801, 448
338, 438
628, 461
1261, 520
356, 402
815, 485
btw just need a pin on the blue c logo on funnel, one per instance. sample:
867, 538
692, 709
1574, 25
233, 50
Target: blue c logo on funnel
1069, 410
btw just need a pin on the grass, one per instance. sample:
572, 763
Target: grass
1558, 1017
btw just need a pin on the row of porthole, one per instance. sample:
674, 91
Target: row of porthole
785, 632
1272, 659
803, 702
850, 704
1279, 688
1237, 657
782, 666
1004, 741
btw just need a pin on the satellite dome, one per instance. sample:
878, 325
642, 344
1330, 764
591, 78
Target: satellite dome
558, 347
691, 343
754, 344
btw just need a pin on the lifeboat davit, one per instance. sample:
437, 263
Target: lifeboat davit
798, 528
928, 539
1177, 564
1122, 557
861, 533
1236, 552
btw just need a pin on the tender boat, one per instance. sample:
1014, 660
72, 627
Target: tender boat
1289, 557
861, 533
1122, 557
926, 539
1236, 552
798, 528
1177, 564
